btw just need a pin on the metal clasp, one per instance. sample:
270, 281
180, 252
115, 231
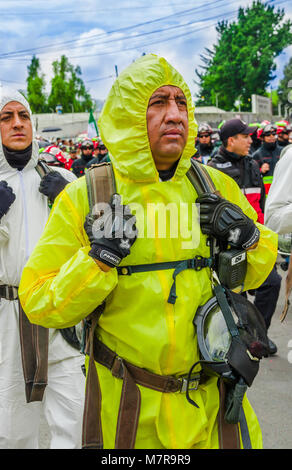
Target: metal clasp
192, 384
117, 369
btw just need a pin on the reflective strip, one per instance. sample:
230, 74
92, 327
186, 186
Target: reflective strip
244, 430
251, 190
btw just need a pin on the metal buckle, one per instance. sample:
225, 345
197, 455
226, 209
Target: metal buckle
199, 265
11, 292
7, 296
117, 369
194, 383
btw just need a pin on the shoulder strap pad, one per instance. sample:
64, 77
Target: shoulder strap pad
100, 182
200, 178
42, 168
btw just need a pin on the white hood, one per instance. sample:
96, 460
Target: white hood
6, 96
23, 224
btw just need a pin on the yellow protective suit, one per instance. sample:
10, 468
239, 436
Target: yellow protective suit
61, 284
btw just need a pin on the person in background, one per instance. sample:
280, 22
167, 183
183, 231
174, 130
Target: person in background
204, 144
101, 155
79, 165
234, 159
267, 156
256, 142
284, 130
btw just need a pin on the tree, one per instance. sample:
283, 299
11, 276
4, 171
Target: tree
285, 86
68, 89
242, 63
36, 87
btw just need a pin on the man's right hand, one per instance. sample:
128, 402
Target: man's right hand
112, 233
265, 168
7, 197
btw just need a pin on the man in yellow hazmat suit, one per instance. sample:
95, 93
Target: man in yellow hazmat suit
147, 124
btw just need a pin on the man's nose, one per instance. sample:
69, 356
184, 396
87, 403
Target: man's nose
172, 112
16, 122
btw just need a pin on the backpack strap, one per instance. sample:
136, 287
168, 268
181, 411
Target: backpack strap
200, 179
101, 185
42, 168
100, 181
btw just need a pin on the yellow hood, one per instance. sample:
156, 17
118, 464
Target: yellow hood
123, 125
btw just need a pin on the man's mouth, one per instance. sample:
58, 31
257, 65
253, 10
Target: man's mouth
173, 132
18, 135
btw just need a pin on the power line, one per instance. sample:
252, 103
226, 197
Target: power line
160, 40
11, 81
157, 31
62, 43
92, 39
98, 11
99, 78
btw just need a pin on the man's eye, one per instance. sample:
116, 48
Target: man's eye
158, 102
182, 104
4, 118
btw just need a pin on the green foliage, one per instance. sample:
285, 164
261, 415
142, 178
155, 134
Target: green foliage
285, 87
275, 100
67, 88
36, 87
242, 63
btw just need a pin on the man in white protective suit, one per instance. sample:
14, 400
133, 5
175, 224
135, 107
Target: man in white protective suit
40, 372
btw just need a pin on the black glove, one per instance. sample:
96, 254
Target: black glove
111, 233
7, 197
52, 184
226, 221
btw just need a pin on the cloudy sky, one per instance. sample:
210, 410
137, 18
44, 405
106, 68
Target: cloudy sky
104, 37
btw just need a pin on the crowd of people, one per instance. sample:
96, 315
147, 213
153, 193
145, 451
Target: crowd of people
61, 273
73, 154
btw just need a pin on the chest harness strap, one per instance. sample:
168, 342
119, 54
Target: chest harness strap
197, 263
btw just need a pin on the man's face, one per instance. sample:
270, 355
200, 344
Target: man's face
16, 128
204, 138
284, 136
102, 150
87, 150
167, 125
240, 144
270, 137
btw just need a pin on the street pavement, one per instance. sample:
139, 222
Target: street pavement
270, 394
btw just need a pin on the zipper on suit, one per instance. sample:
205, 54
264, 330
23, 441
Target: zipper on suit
24, 205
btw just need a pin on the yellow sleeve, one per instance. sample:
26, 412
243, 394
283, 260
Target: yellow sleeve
262, 259
61, 283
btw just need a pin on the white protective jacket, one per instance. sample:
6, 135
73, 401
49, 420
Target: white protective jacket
278, 208
23, 224
62, 404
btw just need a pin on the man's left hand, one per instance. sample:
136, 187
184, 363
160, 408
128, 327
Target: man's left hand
224, 220
52, 184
